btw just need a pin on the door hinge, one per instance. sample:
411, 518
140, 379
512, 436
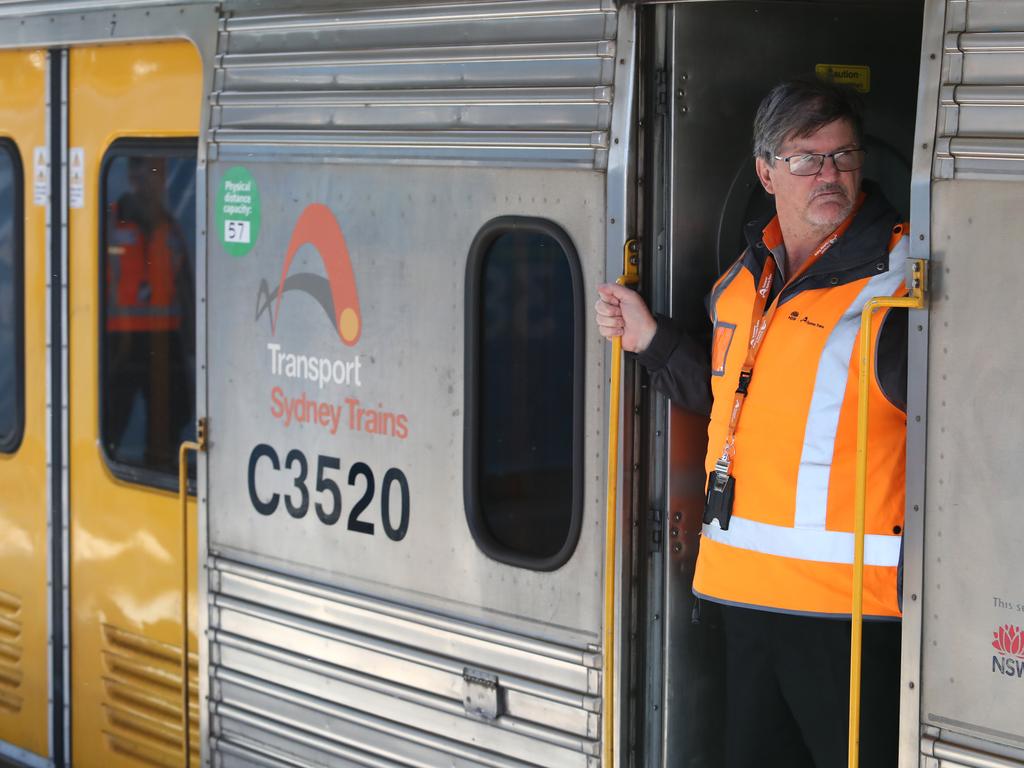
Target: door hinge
660, 92
657, 529
481, 694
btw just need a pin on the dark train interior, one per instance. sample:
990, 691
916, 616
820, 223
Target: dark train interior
706, 67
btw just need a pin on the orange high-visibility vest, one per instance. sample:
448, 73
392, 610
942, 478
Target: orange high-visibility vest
141, 274
789, 544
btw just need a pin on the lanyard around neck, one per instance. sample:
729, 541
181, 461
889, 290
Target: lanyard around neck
759, 322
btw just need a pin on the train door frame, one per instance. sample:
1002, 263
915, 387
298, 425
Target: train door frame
929, 80
665, 97
54, 31
625, 204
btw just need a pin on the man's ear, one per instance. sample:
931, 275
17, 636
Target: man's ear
764, 175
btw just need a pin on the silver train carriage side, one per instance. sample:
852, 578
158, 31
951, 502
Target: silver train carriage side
378, 231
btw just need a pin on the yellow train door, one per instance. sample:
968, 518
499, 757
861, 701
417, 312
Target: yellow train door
133, 119
24, 543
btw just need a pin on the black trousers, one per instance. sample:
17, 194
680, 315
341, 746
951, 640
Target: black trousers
788, 690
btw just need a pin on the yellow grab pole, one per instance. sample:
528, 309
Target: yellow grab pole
183, 449
630, 276
914, 301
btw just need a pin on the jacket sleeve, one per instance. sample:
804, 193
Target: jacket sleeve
891, 358
680, 366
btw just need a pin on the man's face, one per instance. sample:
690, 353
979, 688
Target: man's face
819, 202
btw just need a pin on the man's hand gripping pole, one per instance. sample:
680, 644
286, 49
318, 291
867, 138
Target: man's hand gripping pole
630, 276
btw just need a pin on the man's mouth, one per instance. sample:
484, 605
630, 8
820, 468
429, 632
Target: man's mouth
829, 192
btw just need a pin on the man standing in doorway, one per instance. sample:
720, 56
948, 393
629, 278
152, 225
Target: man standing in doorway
780, 386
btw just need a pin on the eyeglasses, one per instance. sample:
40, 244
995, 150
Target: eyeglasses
811, 164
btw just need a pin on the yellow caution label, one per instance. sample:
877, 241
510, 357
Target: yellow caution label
857, 76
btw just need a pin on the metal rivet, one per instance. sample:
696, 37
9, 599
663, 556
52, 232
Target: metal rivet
911, 685
913, 598
880, 266
833, 280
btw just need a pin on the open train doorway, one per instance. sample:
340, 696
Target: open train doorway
714, 62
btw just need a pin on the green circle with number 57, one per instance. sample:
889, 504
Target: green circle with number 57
238, 211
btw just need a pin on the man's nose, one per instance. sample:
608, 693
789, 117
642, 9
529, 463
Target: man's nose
829, 170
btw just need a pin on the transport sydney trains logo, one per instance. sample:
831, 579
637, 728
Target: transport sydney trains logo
335, 292
1008, 640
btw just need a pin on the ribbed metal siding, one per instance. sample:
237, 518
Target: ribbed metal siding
499, 82
18, 8
306, 675
981, 103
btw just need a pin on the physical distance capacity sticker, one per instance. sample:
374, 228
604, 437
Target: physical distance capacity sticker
238, 211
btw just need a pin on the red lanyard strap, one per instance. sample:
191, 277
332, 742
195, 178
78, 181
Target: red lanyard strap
759, 322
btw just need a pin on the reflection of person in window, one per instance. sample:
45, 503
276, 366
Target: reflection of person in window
148, 321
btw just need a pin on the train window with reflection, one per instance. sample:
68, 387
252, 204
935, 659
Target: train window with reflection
11, 368
524, 393
148, 339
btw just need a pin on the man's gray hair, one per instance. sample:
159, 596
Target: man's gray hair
798, 108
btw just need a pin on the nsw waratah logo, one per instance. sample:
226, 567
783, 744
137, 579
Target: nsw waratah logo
1008, 641
335, 291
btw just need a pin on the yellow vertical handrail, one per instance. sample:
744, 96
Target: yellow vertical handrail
630, 276
914, 301
198, 445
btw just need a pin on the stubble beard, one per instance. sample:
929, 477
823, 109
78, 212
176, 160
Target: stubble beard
825, 219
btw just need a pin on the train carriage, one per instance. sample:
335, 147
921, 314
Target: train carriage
305, 428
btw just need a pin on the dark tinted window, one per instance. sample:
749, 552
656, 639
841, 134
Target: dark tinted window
11, 373
148, 297
524, 408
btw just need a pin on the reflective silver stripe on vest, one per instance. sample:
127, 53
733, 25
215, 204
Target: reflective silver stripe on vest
803, 544
827, 401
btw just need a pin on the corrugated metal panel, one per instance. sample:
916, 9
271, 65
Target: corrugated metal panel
981, 106
303, 674
36, 7
521, 82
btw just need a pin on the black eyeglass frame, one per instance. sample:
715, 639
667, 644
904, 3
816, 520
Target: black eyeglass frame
821, 160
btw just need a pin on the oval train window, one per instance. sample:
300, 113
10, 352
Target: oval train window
11, 373
524, 386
